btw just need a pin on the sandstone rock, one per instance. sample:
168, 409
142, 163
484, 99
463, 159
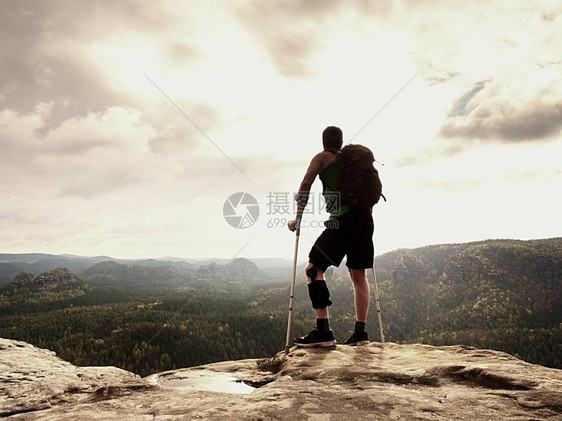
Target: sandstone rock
374, 382
33, 379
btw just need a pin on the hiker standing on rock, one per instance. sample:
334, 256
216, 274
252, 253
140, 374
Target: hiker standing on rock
350, 187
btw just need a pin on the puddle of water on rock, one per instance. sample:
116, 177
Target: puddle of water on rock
205, 381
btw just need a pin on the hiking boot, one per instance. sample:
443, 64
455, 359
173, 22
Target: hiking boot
358, 338
316, 339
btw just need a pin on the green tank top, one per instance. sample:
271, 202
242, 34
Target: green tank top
330, 178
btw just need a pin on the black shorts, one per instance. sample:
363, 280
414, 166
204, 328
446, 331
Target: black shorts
350, 234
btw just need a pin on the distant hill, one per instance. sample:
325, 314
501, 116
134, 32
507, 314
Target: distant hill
154, 273
271, 263
237, 269
40, 262
151, 315
146, 274
154, 263
9, 270
23, 257
13, 263
240, 267
261, 262
503, 294
31, 258
55, 281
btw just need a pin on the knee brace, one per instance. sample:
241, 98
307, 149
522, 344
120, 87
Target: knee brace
311, 274
319, 294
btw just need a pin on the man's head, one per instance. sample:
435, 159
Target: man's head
332, 138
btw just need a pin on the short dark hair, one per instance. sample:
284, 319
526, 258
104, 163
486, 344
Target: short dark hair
332, 138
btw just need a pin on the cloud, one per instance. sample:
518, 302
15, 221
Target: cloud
120, 149
290, 53
66, 53
460, 106
538, 121
483, 40
94, 159
495, 64
428, 155
102, 181
514, 109
291, 31
84, 155
33, 67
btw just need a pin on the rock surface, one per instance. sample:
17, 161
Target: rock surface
374, 382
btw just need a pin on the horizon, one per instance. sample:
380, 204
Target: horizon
132, 130
289, 261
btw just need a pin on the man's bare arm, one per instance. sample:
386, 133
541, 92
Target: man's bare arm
318, 163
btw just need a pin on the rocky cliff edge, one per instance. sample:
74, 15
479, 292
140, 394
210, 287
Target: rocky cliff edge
373, 382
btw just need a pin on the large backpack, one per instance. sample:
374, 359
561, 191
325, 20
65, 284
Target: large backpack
360, 185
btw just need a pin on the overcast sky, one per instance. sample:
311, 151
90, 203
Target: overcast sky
126, 125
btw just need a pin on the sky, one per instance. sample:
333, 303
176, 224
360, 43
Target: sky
125, 126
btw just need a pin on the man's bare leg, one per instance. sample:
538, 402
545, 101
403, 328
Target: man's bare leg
361, 293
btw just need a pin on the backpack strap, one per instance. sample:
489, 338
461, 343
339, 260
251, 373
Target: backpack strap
337, 154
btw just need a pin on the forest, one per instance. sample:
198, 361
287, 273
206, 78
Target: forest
499, 294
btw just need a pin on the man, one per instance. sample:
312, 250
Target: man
349, 232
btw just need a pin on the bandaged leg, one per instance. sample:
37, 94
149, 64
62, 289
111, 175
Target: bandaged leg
319, 294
